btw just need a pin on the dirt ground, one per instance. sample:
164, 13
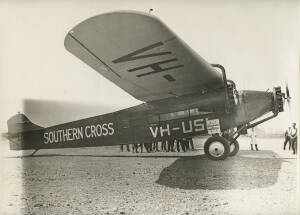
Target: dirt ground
104, 180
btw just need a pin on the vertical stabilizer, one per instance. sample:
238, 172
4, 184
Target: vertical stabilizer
18, 125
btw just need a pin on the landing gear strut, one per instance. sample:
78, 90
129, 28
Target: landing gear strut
217, 148
234, 148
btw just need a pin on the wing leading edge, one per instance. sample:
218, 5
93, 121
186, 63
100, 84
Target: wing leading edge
141, 55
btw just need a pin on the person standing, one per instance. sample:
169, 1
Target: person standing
170, 145
163, 145
127, 147
141, 145
156, 146
135, 147
150, 146
190, 141
294, 132
253, 139
184, 143
287, 138
178, 143
147, 146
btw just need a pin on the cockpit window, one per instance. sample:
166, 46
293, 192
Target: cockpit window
174, 115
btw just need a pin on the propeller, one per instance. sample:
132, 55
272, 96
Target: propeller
287, 96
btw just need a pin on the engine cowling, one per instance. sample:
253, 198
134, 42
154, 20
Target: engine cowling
278, 100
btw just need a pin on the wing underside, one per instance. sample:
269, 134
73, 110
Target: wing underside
141, 55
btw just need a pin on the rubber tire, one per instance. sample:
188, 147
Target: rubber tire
222, 140
236, 148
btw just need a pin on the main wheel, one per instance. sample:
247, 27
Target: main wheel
234, 148
216, 148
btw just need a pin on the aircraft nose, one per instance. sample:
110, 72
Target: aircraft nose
258, 103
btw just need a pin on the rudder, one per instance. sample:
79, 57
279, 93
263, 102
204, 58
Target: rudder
18, 125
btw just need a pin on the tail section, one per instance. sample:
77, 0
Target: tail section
89, 132
19, 126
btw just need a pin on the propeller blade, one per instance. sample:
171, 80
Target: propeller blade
288, 96
287, 90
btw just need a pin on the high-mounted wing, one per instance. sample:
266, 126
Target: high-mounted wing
141, 55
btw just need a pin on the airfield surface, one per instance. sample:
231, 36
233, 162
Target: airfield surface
107, 181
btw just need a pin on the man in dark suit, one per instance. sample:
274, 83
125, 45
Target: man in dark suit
184, 144
191, 143
127, 147
170, 145
178, 143
135, 147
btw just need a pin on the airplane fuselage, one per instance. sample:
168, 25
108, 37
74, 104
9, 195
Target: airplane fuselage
188, 116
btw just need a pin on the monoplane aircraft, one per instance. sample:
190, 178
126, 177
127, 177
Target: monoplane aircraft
183, 95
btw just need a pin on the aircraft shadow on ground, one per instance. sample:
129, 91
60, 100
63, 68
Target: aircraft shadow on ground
108, 156
239, 172
247, 170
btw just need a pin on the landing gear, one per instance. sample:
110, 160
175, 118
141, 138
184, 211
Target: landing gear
234, 148
217, 148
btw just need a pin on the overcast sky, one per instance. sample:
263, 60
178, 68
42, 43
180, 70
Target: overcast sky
256, 41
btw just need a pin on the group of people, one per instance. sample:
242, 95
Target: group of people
291, 138
182, 144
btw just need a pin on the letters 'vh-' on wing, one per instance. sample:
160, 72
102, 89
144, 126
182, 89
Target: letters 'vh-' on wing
140, 54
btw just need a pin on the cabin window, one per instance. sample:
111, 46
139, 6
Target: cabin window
165, 116
153, 119
125, 123
194, 112
174, 115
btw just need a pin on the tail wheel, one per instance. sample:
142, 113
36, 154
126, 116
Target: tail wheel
234, 148
217, 148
